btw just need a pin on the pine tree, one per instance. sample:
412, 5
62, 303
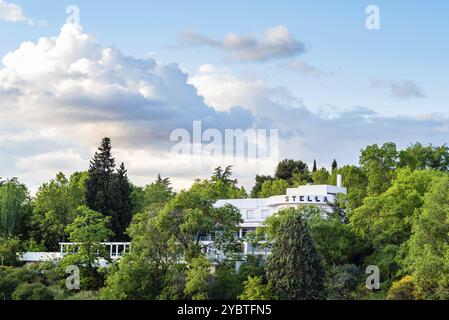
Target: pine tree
294, 268
101, 169
314, 166
109, 192
334, 165
122, 203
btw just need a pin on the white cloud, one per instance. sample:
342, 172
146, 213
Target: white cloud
59, 96
274, 43
12, 12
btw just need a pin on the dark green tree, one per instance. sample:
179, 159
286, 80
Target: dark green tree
286, 168
294, 268
314, 166
334, 165
108, 191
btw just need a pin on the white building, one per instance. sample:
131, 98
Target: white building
255, 211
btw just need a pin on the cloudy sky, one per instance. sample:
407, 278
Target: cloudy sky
137, 70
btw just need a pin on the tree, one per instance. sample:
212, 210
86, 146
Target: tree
287, 168
428, 247
378, 165
109, 192
88, 230
274, 188
321, 176
420, 157
9, 248
403, 289
198, 277
355, 179
314, 166
260, 180
294, 269
14, 208
143, 273
334, 165
158, 192
54, 208
255, 290
121, 207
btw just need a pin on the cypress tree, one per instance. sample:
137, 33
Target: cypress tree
314, 166
294, 269
334, 165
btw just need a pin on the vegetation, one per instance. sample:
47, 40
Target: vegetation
395, 216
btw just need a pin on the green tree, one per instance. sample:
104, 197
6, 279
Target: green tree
321, 176
54, 208
158, 192
109, 192
255, 290
9, 248
314, 166
428, 247
287, 168
274, 188
420, 157
14, 208
198, 278
88, 230
356, 181
260, 180
144, 273
379, 166
294, 269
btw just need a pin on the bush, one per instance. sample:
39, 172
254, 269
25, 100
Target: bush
403, 289
32, 291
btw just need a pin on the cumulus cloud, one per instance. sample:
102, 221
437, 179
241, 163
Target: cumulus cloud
401, 89
69, 92
308, 135
12, 12
274, 43
60, 95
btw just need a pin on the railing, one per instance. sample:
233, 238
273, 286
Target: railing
116, 249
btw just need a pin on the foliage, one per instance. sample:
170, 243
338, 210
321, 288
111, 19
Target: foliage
88, 230
14, 207
9, 248
378, 164
403, 289
108, 191
54, 208
255, 290
198, 277
294, 268
273, 188
428, 247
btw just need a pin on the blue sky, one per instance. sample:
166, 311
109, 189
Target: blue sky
398, 72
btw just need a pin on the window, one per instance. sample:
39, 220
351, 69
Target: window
251, 214
265, 214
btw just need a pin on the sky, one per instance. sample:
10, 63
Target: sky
138, 70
